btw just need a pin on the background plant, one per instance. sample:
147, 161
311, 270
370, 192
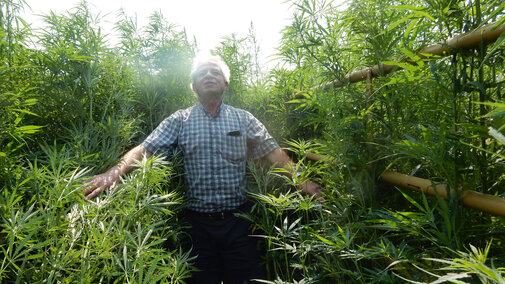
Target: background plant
71, 105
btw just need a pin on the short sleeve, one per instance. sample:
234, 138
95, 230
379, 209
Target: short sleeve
259, 141
163, 140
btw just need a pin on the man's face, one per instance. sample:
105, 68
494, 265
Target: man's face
209, 81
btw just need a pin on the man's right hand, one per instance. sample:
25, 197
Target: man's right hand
104, 181
101, 182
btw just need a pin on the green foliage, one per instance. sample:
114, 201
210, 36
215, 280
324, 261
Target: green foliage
161, 57
71, 105
431, 119
55, 236
17, 99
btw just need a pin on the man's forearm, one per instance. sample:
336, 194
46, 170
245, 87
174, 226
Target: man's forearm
104, 181
279, 158
282, 160
126, 163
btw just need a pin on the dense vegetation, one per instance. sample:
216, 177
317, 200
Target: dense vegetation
72, 104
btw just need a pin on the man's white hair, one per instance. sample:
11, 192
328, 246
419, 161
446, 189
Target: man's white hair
203, 58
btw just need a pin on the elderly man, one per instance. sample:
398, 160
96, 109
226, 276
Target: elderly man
215, 140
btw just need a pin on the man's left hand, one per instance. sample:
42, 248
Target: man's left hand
313, 189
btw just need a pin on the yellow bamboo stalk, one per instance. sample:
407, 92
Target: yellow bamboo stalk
484, 202
469, 40
317, 157
473, 39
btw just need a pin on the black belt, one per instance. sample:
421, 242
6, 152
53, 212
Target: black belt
221, 214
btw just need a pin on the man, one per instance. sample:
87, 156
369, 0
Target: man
215, 140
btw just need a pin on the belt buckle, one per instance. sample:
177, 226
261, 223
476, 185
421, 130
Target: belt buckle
217, 215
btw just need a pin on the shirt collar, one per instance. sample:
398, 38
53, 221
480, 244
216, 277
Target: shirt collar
222, 106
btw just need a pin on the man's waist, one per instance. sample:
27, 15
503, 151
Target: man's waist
212, 199
221, 214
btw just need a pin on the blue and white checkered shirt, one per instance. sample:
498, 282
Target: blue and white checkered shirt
215, 152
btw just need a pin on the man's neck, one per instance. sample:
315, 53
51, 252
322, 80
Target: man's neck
212, 105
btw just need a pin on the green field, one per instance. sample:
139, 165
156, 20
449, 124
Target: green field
71, 104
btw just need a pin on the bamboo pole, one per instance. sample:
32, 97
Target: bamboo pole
469, 40
317, 157
484, 202
473, 39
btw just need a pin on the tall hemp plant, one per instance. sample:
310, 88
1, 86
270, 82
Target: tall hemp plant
17, 95
48, 233
85, 88
164, 64
437, 117
426, 119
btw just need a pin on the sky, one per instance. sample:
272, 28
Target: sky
207, 20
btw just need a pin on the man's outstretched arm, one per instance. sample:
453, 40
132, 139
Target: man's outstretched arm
107, 179
282, 160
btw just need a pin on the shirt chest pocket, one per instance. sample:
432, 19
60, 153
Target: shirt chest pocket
234, 146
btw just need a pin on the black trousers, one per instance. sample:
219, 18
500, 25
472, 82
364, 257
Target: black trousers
224, 249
